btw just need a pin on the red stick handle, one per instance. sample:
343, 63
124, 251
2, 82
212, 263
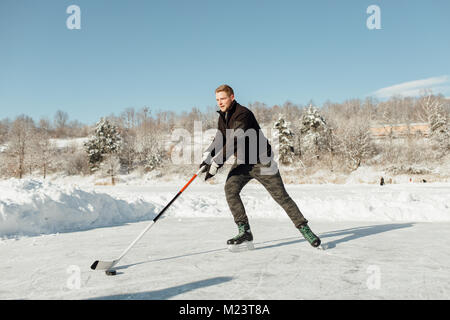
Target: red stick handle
187, 184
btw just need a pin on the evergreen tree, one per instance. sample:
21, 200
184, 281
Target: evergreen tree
314, 131
106, 140
431, 110
153, 161
285, 139
439, 130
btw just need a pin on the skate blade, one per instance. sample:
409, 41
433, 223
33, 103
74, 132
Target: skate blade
244, 246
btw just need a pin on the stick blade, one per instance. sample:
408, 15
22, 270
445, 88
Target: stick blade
103, 265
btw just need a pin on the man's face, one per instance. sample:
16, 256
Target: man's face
224, 101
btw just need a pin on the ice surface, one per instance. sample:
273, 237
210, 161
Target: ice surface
381, 242
393, 260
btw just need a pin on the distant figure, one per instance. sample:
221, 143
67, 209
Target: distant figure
382, 181
424, 181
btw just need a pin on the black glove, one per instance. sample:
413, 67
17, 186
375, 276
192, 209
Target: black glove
202, 164
204, 167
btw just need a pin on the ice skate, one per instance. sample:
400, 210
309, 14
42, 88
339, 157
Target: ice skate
243, 241
310, 236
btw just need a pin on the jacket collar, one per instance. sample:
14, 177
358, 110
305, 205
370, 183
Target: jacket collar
230, 111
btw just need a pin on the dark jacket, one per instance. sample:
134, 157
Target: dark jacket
249, 144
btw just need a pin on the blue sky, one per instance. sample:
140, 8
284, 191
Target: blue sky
171, 55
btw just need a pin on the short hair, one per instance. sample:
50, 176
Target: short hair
225, 88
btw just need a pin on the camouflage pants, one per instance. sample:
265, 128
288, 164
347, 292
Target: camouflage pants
241, 174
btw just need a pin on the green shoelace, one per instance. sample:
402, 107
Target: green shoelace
241, 229
307, 233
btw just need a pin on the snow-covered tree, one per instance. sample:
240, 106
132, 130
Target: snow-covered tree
431, 110
106, 140
153, 161
314, 131
149, 142
285, 140
353, 141
440, 131
128, 153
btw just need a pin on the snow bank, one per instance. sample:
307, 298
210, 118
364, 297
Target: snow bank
393, 203
32, 207
363, 202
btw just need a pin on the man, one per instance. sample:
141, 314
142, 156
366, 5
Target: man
239, 134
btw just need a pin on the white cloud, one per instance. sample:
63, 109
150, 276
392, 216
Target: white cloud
415, 88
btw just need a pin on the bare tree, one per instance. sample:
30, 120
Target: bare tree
188, 119
74, 129
111, 166
128, 152
354, 141
42, 148
129, 119
165, 121
128, 129
262, 112
19, 143
60, 120
428, 105
4, 129
149, 139
45, 124
209, 118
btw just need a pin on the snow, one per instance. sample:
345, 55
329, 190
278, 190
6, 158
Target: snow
32, 206
52, 231
64, 143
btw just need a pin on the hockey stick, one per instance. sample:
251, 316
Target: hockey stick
106, 265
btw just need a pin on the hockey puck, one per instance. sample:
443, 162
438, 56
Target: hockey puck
110, 272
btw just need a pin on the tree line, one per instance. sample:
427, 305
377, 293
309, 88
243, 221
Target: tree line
335, 136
